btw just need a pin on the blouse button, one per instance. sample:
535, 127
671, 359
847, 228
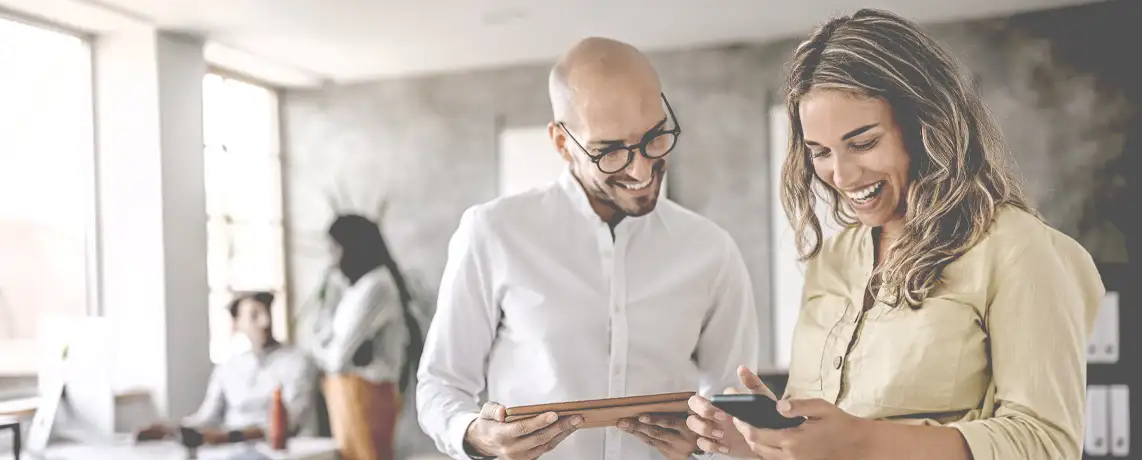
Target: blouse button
837, 362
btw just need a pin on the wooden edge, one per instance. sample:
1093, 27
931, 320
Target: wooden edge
570, 406
668, 407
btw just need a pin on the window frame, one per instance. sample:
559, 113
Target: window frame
280, 314
93, 300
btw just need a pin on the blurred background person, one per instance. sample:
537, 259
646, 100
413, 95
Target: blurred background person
367, 341
238, 398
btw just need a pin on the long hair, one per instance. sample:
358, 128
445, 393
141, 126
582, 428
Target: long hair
363, 249
959, 172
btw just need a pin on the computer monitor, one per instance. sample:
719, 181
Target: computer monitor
77, 401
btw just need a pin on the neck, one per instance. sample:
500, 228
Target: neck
885, 235
605, 210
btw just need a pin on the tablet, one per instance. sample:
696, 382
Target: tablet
598, 413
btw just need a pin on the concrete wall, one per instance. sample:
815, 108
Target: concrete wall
1067, 102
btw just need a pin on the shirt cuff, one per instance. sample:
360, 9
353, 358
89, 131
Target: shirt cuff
458, 430
978, 438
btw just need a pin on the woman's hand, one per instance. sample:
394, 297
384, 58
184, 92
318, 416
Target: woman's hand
828, 432
715, 428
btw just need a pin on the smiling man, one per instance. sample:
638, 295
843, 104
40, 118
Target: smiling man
592, 287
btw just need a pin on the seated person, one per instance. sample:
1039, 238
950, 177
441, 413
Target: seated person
240, 392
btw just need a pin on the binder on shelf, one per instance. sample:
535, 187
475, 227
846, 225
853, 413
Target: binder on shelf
1119, 412
1096, 442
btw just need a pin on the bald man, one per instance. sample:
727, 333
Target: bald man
591, 287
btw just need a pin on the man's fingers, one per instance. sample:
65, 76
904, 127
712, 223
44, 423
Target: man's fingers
654, 431
544, 448
492, 411
547, 434
652, 442
704, 428
673, 422
521, 428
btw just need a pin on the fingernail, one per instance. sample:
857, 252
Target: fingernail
623, 424
723, 449
783, 405
644, 419
551, 417
718, 434
576, 420
719, 416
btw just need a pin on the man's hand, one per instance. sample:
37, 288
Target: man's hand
527, 439
667, 433
153, 433
715, 428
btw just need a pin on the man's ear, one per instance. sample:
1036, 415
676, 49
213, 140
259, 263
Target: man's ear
558, 140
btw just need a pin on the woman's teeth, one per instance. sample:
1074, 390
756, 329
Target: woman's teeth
866, 194
638, 186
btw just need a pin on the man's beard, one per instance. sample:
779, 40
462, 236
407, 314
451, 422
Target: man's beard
611, 194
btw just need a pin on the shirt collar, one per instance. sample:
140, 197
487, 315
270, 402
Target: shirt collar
578, 196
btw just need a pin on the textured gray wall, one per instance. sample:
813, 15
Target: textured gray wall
1066, 101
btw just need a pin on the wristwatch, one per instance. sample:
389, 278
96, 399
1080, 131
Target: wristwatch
235, 436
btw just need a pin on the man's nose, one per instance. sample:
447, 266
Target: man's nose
641, 167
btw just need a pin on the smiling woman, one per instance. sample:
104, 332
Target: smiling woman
946, 302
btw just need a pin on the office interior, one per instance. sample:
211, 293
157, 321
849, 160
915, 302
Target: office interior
157, 156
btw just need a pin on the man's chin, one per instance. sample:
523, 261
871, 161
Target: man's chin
640, 208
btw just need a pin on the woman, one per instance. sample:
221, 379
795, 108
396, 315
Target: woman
947, 320
368, 342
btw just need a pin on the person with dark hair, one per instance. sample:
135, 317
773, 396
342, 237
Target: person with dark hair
367, 341
237, 403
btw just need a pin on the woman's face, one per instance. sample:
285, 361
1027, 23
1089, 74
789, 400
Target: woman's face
858, 149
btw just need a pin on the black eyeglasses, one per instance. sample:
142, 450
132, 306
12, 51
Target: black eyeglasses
655, 144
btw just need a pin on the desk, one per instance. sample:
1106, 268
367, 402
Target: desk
299, 449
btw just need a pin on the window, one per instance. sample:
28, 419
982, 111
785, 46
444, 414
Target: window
47, 209
243, 203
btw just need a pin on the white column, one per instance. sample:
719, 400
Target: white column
152, 232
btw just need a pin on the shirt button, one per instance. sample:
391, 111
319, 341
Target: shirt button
837, 362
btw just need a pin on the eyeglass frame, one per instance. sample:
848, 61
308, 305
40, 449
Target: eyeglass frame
640, 147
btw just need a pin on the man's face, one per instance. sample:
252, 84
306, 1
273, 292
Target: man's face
253, 321
607, 123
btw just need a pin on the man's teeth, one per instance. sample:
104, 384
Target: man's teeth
638, 186
866, 193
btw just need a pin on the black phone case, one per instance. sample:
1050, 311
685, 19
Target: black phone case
756, 410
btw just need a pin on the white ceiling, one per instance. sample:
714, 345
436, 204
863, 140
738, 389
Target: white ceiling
350, 40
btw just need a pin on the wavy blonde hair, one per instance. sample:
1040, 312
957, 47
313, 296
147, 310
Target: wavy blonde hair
959, 174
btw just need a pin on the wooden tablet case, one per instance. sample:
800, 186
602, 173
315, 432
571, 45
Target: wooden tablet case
598, 413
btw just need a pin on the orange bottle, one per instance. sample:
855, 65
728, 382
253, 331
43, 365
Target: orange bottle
278, 422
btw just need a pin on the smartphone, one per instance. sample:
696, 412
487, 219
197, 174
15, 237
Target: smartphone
756, 410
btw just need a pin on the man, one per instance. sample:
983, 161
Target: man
589, 288
238, 397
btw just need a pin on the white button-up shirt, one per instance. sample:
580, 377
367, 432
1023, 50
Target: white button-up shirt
539, 303
241, 390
